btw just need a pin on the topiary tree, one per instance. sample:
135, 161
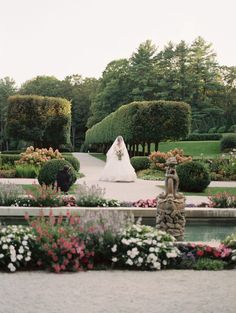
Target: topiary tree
48, 172
193, 176
228, 142
73, 161
44, 121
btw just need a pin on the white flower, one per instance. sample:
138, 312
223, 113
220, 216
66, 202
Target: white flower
130, 262
151, 249
154, 242
28, 258
114, 259
140, 260
24, 243
12, 248
125, 241
21, 250
11, 267
8, 240
13, 258
164, 262
114, 248
26, 237
133, 253
5, 247
29, 253
157, 265
139, 243
151, 258
234, 257
172, 254
19, 257
1, 256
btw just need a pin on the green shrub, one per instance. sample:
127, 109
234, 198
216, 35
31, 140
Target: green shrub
228, 142
48, 172
232, 129
209, 264
11, 152
193, 176
73, 161
9, 158
27, 171
212, 130
221, 129
140, 163
203, 136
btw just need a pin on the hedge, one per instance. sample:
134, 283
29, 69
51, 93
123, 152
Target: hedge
203, 136
143, 122
44, 121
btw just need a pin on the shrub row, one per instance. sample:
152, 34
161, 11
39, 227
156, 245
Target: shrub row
203, 136
143, 122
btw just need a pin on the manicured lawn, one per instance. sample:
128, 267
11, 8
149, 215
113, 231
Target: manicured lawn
193, 148
211, 191
99, 156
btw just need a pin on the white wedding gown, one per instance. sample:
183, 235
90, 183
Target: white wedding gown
117, 170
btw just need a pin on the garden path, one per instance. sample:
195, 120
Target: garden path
119, 292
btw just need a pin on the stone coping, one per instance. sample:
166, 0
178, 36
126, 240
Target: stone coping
137, 212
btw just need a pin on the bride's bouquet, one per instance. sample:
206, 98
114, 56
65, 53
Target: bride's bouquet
119, 154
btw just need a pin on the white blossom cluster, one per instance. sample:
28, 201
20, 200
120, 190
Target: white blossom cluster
144, 247
15, 248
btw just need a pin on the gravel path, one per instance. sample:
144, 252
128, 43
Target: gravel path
119, 292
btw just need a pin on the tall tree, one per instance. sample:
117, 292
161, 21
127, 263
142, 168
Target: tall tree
113, 91
7, 88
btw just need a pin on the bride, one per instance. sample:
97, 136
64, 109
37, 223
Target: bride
118, 166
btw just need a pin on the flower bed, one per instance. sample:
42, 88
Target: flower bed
103, 239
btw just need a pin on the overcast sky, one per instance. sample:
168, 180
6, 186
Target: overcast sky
64, 37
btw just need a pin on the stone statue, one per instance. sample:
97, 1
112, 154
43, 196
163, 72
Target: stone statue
171, 204
171, 181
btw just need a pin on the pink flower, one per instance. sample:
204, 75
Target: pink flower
200, 253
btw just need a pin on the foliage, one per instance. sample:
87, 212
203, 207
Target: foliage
50, 115
130, 121
232, 129
9, 158
7, 173
209, 264
26, 171
9, 193
60, 247
73, 161
143, 247
158, 159
222, 200
228, 142
15, 247
203, 136
40, 196
230, 241
48, 172
140, 163
37, 157
193, 176
151, 174
223, 167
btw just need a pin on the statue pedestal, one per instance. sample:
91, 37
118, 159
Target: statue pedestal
171, 216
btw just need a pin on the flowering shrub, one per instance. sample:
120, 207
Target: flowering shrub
41, 196
143, 247
230, 241
222, 200
15, 247
158, 159
36, 156
60, 247
224, 167
148, 203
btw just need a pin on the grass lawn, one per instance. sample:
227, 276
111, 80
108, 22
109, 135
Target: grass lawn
99, 156
211, 191
193, 148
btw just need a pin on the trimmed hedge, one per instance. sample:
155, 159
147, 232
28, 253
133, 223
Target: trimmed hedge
143, 122
9, 158
48, 172
203, 136
45, 121
140, 163
228, 142
193, 176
